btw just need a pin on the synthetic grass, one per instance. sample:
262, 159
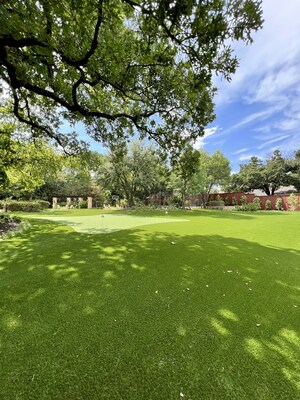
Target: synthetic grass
129, 315
106, 223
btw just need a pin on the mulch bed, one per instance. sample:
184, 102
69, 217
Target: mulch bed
6, 226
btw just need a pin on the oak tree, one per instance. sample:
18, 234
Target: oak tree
120, 66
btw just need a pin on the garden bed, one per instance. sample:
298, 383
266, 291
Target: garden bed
8, 224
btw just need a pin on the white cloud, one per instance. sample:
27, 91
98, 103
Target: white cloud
241, 151
271, 141
267, 67
200, 142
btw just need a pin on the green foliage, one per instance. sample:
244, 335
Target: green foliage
116, 65
233, 201
268, 205
256, 203
83, 204
243, 200
218, 204
268, 176
28, 206
184, 169
292, 202
278, 204
293, 169
226, 201
213, 170
123, 203
132, 171
176, 201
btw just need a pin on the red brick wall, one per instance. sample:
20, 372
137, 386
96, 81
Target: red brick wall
263, 199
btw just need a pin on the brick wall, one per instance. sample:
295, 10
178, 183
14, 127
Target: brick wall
251, 196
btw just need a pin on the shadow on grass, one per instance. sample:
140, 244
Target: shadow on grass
131, 315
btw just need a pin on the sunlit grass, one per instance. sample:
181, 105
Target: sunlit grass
129, 315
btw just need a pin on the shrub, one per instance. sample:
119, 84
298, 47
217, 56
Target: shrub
256, 203
83, 204
8, 218
278, 204
187, 203
176, 201
254, 206
219, 204
292, 202
27, 206
43, 203
243, 200
268, 205
226, 201
73, 204
233, 201
123, 203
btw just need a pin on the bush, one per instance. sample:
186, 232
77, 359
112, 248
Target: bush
187, 203
219, 204
254, 206
268, 205
226, 201
233, 201
123, 203
243, 200
83, 204
278, 204
176, 201
8, 218
256, 203
292, 202
27, 206
43, 203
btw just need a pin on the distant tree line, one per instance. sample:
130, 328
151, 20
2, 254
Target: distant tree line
267, 176
33, 168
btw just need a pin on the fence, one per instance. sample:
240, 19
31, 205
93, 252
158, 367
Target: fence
227, 198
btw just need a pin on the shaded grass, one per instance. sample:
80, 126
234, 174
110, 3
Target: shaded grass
128, 315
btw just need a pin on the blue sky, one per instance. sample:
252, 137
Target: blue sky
259, 110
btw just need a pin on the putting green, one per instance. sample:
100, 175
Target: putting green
106, 223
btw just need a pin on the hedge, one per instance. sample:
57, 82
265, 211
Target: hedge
28, 206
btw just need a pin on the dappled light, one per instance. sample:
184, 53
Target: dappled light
202, 313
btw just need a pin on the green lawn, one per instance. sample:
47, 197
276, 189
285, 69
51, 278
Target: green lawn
208, 307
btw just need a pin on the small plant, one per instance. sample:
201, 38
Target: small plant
268, 205
123, 203
233, 201
278, 204
226, 201
217, 204
83, 204
243, 200
292, 202
256, 203
187, 204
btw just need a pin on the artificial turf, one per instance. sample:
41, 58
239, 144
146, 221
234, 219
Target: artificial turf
203, 309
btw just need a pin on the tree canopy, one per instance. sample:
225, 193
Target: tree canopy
120, 66
267, 176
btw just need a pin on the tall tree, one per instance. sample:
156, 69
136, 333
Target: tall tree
184, 169
256, 174
293, 170
213, 170
34, 162
133, 172
117, 65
